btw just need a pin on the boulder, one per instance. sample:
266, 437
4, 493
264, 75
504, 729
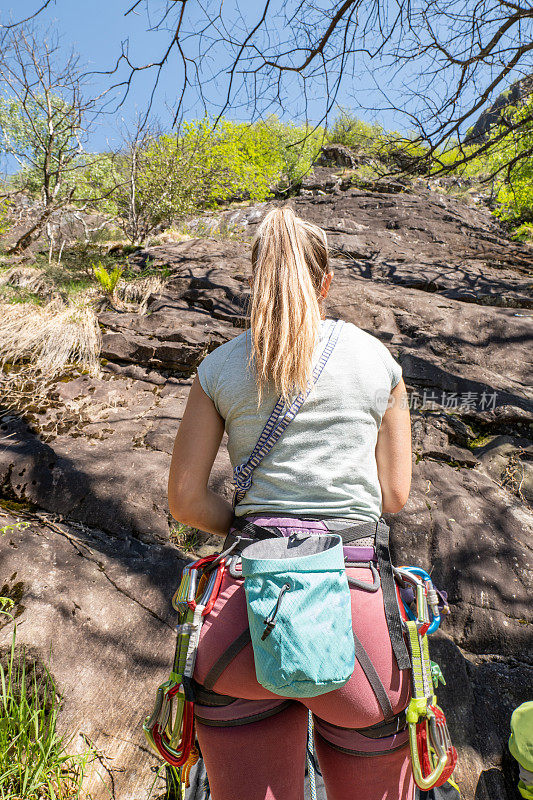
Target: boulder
336, 155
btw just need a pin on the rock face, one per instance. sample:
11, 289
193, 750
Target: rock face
517, 93
441, 286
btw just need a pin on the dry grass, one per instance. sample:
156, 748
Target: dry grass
29, 278
49, 337
137, 293
513, 476
40, 343
171, 235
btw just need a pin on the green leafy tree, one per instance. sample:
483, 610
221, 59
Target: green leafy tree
504, 167
239, 160
515, 157
151, 181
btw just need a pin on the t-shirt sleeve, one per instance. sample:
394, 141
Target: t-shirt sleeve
208, 372
393, 367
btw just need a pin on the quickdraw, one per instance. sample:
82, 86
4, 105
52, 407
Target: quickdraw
432, 754
170, 728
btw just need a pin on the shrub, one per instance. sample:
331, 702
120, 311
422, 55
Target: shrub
361, 137
372, 142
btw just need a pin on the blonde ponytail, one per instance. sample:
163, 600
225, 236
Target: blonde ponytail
289, 260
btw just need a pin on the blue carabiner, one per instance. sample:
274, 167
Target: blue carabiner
435, 622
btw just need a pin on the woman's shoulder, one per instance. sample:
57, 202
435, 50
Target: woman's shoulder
228, 349
224, 359
356, 336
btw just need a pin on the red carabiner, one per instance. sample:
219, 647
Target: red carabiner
433, 739
193, 571
176, 757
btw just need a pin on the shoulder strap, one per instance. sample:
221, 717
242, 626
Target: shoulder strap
278, 422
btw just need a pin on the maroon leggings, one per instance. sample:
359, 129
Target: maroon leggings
254, 746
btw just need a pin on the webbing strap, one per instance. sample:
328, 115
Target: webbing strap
386, 728
252, 531
192, 649
390, 602
373, 679
207, 697
226, 658
421, 665
279, 421
182, 646
353, 533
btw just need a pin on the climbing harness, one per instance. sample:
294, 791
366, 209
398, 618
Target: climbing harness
432, 754
170, 728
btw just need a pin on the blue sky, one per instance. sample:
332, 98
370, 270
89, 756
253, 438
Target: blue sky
96, 29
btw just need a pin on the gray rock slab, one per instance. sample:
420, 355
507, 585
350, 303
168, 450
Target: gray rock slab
97, 610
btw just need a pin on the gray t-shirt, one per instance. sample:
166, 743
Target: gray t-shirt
324, 464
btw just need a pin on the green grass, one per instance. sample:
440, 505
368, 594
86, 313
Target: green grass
34, 764
185, 538
74, 275
149, 271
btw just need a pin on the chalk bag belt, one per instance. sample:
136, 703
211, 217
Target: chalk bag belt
278, 421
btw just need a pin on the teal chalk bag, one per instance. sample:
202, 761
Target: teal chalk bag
299, 613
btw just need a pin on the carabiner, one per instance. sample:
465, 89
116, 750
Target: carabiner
432, 596
422, 584
185, 596
432, 754
174, 746
214, 581
176, 756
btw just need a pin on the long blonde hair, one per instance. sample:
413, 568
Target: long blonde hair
289, 262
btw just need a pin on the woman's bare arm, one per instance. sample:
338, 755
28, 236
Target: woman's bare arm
195, 448
393, 451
